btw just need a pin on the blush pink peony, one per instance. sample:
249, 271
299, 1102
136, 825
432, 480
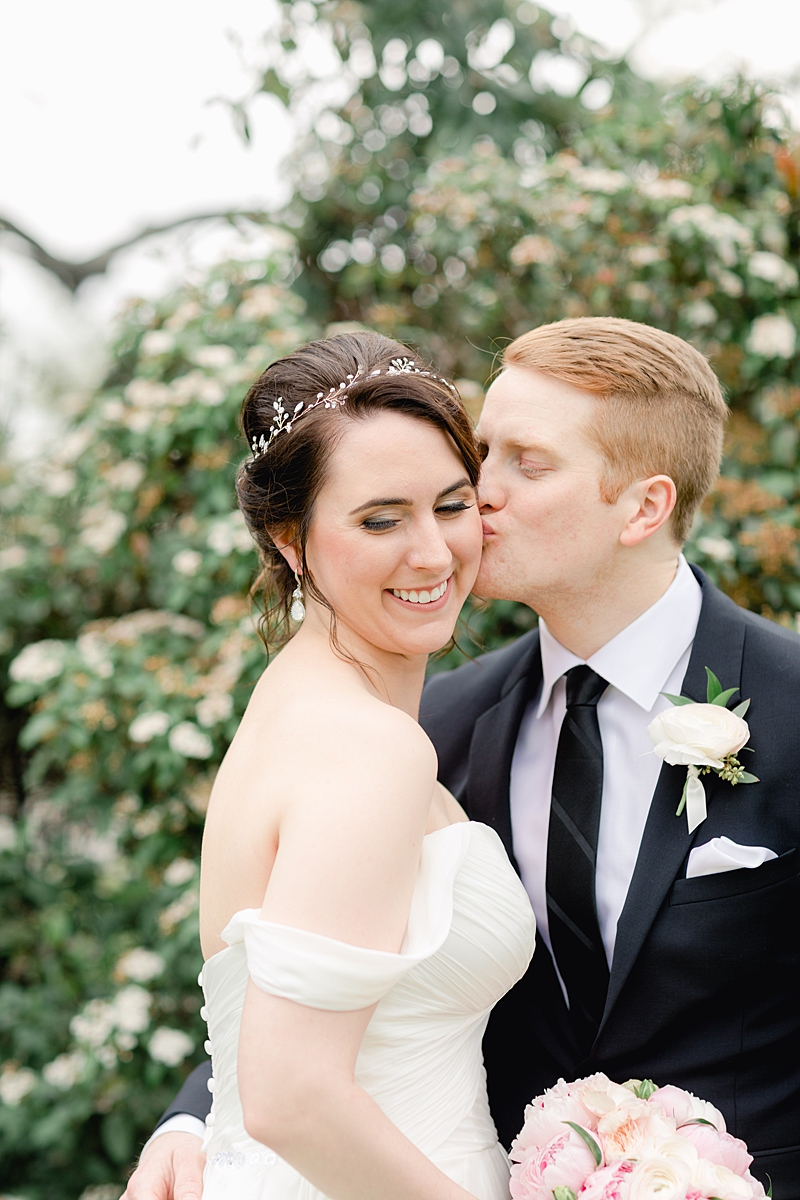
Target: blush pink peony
682, 1106
566, 1161
719, 1148
632, 1128
608, 1183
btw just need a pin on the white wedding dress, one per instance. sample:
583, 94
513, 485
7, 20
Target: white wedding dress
470, 937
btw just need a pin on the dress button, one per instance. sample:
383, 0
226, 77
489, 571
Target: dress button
210, 1084
204, 1013
207, 1046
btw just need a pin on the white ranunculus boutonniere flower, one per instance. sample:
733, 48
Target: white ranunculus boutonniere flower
703, 738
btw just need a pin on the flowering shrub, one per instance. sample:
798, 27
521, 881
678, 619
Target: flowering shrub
125, 630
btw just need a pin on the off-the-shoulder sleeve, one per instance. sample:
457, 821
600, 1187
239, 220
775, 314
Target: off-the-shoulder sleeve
322, 972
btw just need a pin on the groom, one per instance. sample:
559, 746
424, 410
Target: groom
662, 953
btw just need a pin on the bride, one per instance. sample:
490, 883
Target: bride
357, 928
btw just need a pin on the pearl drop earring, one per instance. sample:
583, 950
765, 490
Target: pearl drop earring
298, 609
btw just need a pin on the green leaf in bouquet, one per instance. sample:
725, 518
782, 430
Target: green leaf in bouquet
645, 1089
698, 1121
590, 1142
562, 1192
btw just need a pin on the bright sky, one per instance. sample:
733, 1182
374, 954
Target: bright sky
109, 123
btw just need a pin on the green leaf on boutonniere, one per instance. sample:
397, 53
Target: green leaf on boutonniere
723, 698
590, 1142
677, 699
741, 709
714, 686
746, 777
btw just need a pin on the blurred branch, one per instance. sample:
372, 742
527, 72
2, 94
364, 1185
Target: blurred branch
72, 274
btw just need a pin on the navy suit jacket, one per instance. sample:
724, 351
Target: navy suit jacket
704, 990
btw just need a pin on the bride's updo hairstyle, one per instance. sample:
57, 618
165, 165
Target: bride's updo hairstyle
366, 373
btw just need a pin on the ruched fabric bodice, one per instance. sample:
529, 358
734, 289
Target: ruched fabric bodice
470, 937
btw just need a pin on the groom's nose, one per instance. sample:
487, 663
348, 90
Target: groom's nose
490, 494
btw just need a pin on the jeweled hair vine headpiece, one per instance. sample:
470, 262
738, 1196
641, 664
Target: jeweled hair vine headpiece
282, 421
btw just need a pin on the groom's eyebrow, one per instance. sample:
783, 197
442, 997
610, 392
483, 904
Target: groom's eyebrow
389, 501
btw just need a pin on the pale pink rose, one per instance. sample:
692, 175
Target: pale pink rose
608, 1183
718, 1148
682, 1106
566, 1161
632, 1128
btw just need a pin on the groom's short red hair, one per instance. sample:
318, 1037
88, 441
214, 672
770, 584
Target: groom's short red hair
663, 412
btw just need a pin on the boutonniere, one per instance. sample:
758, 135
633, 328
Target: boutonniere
703, 738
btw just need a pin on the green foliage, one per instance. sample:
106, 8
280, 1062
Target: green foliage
125, 630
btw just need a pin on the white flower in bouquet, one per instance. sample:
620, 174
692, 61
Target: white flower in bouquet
659, 1179
698, 734
148, 725
39, 662
191, 742
65, 1071
772, 336
170, 1046
141, 965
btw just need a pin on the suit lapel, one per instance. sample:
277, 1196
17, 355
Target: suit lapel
492, 747
718, 644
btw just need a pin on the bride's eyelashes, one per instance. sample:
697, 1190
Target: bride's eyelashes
381, 524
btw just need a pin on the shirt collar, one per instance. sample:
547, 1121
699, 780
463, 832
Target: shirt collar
641, 658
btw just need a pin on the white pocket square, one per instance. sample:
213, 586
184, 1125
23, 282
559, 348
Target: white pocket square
721, 854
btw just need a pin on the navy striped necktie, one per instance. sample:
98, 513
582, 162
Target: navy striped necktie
572, 855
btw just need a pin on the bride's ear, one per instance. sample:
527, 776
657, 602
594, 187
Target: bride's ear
286, 545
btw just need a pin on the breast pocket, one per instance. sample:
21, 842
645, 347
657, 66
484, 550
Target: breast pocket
726, 884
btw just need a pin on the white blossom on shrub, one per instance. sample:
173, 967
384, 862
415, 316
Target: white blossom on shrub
147, 394
718, 548
772, 336
196, 385
8, 833
59, 483
15, 1083
94, 1024
93, 649
148, 725
191, 742
101, 528
12, 558
774, 269
228, 534
157, 342
699, 313
187, 562
39, 662
126, 475
170, 1046
214, 708
216, 357
179, 872
727, 235
66, 1070
141, 965
131, 1009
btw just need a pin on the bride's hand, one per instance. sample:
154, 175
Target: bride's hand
171, 1168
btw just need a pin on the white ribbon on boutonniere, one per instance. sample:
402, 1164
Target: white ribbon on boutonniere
702, 738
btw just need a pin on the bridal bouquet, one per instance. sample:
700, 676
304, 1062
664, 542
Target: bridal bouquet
598, 1140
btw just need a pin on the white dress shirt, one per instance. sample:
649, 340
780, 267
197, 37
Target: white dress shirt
647, 658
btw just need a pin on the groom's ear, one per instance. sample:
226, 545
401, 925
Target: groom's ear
651, 504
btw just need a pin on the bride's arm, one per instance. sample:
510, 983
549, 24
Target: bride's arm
347, 863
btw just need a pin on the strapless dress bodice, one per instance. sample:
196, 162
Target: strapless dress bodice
470, 937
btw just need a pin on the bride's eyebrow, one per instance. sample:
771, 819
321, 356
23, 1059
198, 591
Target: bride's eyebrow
388, 502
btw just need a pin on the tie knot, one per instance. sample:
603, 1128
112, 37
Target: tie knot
584, 686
